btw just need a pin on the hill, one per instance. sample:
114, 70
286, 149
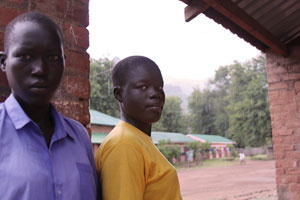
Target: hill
182, 88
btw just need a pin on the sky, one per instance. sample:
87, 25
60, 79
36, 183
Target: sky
156, 28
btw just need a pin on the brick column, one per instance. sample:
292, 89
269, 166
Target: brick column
284, 93
72, 97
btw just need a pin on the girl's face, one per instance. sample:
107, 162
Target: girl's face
142, 95
34, 63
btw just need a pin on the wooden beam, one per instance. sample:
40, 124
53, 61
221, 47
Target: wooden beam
194, 9
186, 1
242, 19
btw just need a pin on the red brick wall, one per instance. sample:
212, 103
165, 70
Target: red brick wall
72, 97
284, 93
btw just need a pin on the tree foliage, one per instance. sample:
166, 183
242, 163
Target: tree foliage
102, 98
248, 108
168, 150
235, 104
202, 115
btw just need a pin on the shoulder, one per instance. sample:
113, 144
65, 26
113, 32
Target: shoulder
75, 129
71, 123
125, 140
122, 135
1, 107
2, 110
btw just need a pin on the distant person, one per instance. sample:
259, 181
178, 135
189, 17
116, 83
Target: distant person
242, 158
129, 165
43, 154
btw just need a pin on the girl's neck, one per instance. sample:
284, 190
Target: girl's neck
145, 127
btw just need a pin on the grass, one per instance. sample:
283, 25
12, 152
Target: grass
260, 157
208, 163
219, 162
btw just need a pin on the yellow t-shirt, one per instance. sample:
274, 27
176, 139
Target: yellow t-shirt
130, 167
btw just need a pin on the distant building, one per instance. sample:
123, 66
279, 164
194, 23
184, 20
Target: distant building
218, 142
174, 138
101, 125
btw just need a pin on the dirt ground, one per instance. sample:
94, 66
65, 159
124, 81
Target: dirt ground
253, 181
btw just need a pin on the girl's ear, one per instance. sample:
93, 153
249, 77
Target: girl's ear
2, 60
118, 93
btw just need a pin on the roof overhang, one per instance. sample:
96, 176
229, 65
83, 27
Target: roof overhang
248, 19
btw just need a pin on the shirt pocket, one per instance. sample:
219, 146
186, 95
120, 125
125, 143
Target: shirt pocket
87, 182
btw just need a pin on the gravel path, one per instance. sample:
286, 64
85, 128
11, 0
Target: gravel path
253, 181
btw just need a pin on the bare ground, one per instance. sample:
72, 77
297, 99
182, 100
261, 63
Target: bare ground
254, 180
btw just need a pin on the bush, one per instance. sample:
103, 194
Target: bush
169, 151
195, 146
260, 157
232, 150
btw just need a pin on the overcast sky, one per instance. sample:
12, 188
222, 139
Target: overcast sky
156, 29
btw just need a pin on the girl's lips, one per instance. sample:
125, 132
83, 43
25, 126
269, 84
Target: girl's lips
39, 85
40, 90
155, 108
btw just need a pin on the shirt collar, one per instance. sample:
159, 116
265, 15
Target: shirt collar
61, 127
19, 118
16, 113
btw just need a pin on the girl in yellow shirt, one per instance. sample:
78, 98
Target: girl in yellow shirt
129, 165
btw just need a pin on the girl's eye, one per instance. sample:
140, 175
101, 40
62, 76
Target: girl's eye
142, 87
25, 57
53, 57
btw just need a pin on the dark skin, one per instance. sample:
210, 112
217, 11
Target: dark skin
141, 98
34, 65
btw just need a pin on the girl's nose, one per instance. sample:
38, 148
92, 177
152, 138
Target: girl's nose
155, 93
39, 67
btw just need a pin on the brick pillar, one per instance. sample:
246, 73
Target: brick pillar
284, 94
72, 97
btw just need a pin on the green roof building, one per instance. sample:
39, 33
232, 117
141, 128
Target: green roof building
175, 138
218, 142
215, 140
99, 118
101, 125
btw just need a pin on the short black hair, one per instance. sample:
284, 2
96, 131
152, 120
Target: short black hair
32, 17
122, 68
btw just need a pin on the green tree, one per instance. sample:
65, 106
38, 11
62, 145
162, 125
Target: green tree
221, 84
248, 109
102, 98
169, 150
195, 146
234, 104
205, 147
202, 114
172, 119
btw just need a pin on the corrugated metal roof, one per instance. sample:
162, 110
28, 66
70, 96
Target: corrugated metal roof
266, 24
97, 138
173, 137
280, 17
211, 138
100, 118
